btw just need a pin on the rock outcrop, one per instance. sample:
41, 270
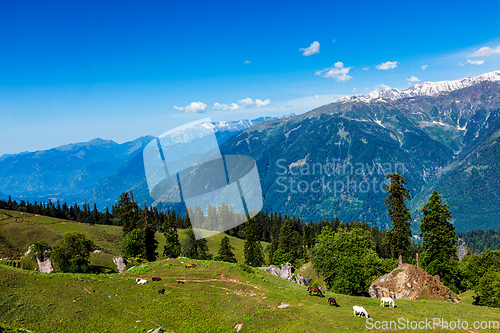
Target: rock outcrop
305, 281
286, 271
410, 283
120, 263
45, 266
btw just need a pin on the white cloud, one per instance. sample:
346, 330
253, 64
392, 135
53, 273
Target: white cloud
224, 107
413, 79
262, 103
424, 67
178, 108
246, 62
334, 41
316, 96
382, 87
486, 51
354, 90
366, 68
475, 62
196, 107
337, 72
312, 49
387, 65
460, 64
246, 102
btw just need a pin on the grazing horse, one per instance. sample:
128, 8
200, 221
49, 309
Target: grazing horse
360, 310
387, 300
161, 291
154, 278
315, 290
332, 301
190, 265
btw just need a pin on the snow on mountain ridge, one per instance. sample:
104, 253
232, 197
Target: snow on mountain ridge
423, 89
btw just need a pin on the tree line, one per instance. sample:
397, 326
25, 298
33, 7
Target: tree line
349, 255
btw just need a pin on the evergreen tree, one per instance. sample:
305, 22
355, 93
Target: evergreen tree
439, 240
274, 245
127, 212
195, 249
225, 251
172, 248
400, 233
287, 247
304, 248
150, 243
252, 248
133, 244
199, 218
107, 217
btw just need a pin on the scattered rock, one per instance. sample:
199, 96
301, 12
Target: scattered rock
283, 305
120, 263
158, 330
410, 283
238, 327
97, 251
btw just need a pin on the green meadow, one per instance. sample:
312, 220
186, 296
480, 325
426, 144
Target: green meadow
211, 297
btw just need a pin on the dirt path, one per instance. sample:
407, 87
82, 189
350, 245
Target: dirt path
223, 279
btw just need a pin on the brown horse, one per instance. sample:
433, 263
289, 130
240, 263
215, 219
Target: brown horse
332, 301
315, 290
190, 265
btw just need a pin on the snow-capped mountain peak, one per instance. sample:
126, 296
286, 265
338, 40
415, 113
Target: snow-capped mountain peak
423, 89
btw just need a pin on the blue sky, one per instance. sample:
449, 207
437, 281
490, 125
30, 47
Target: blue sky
75, 71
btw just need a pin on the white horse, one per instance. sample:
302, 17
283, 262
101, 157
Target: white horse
387, 300
141, 281
361, 310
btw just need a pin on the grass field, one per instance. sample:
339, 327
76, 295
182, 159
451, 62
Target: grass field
214, 297
21, 230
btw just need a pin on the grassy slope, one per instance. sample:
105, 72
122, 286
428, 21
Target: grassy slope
214, 298
21, 230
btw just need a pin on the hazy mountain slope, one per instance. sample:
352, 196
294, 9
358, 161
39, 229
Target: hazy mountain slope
471, 184
64, 171
425, 133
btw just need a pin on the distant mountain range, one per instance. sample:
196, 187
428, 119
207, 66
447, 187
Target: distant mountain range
97, 171
331, 161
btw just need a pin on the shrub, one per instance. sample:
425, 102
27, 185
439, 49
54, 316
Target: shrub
488, 289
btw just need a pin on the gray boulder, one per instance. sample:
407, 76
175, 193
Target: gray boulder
120, 263
286, 271
45, 266
305, 281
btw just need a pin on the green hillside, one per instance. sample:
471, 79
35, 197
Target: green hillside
214, 298
19, 230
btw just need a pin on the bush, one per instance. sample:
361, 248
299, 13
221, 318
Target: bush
73, 254
488, 290
347, 261
40, 250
